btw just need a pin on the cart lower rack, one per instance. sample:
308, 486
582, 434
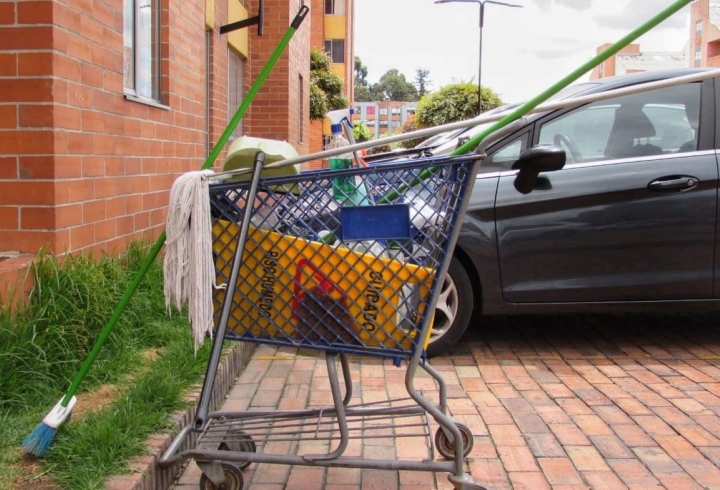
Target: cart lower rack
347, 262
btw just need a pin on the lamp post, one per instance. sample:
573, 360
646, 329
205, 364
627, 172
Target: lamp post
482, 18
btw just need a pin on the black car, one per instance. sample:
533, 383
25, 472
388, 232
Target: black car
628, 225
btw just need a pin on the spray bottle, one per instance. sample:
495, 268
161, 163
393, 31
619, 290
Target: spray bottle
349, 189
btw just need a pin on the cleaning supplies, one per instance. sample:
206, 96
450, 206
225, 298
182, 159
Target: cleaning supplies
348, 190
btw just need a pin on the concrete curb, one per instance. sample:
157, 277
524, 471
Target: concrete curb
145, 474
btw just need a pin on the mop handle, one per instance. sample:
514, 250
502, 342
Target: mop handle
554, 89
155, 250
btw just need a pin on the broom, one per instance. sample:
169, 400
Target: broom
38, 442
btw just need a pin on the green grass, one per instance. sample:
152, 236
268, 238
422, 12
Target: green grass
43, 345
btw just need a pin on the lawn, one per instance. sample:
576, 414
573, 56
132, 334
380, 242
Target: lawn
139, 378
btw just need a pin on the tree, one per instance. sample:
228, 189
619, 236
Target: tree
326, 88
454, 102
394, 86
361, 72
408, 126
422, 82
362, 132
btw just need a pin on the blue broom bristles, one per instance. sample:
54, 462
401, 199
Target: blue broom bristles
38, 442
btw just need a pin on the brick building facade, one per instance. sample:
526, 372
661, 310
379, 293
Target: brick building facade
99, 115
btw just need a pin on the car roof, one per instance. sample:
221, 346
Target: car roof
581, 89
618, 81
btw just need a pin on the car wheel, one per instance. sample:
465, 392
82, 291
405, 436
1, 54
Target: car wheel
453, 311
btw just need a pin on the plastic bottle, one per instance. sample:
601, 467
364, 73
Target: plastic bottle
343, 188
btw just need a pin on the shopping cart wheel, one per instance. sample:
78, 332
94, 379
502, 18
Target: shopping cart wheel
239, 441
446, 448
233, 479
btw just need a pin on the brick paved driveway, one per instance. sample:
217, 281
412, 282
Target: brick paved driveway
602, 402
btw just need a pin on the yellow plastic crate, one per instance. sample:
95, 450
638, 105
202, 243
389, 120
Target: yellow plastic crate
278, 270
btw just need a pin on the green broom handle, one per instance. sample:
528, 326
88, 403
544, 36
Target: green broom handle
155, 250
557, 87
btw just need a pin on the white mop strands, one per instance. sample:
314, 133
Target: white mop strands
188, 268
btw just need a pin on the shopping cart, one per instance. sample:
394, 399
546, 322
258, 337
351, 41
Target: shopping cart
350, 263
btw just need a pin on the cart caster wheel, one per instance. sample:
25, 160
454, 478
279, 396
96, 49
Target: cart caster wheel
241, 442
446, 448
233, 479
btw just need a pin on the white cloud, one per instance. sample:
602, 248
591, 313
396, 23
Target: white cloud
524, 50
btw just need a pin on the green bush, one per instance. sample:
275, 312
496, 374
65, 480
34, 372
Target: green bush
452, 103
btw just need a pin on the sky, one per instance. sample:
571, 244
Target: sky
525, 50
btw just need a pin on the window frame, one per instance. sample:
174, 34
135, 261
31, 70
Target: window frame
232, 108
705, 139
134, 92
331, 52
333, 7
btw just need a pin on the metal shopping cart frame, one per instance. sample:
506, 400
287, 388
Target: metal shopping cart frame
228, 442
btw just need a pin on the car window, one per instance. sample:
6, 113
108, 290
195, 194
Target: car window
501, 159
648, 123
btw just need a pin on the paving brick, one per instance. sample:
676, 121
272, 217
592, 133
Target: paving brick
569, 435
611, 447
517, 458
633, 436
545, 446
605, 480
560, 471
654, 425
506, 435
531, 480
592, 425
586, 458
657, 460
489, 473
632, 472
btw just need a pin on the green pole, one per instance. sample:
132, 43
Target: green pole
155, 250
558, 86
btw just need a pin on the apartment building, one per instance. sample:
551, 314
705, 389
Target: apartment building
631, 59
333, 32
705, 33
104, 103
384, 117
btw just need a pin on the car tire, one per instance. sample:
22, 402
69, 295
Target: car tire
454, 309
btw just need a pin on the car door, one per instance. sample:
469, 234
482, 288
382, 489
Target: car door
630, 217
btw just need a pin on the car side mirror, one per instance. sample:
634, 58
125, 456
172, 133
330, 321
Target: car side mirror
535, 160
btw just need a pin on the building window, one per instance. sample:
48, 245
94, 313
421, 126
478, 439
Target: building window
336, 49
698, 55
236, 74
141, 56
370, 110
410, 112
300, 108
698, 29
334, 7
383, 111
326, 141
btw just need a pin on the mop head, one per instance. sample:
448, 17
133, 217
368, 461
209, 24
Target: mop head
188, 268
38, 442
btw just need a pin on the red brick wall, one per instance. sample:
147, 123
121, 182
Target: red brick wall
94, 170
81, 167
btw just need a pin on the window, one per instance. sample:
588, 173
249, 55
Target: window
141, 48
334, 7
502, 159
395, 111
383, 111
370, 110
698, 29
301, 97
410, 112
645, 124
236, 74
336, 49
326, 141
698, 55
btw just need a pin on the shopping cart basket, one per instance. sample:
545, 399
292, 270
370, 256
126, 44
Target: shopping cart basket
350, 263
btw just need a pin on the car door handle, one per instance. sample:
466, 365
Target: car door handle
674, 183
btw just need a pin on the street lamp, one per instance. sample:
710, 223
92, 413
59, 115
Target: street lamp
482, 16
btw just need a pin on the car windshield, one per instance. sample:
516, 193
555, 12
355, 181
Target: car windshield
470, 133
